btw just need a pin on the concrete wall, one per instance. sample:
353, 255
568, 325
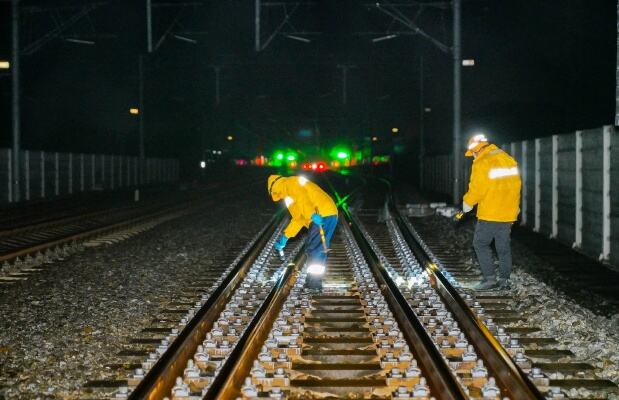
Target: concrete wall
570, 188
49, 174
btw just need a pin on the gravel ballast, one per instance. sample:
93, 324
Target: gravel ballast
593, 338
60, 327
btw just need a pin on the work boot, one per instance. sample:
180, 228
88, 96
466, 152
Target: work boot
489, 284
504, 284
314, 282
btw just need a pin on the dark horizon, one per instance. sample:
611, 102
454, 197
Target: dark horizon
542, 68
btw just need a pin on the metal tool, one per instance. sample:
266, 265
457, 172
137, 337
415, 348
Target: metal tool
458, 219
282, 256
323, 239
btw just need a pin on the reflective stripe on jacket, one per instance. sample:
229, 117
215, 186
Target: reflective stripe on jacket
494, 186
303, 198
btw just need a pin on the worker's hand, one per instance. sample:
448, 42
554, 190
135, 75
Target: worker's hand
317, 219
281, 243
466, 208
458, 218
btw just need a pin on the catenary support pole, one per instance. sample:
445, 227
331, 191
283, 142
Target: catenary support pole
141, 117
422, 111
15, 99
457, 65
142, 108
257, 26
149, 26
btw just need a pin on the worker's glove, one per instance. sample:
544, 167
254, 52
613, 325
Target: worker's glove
466, 208
458, 219
317, 219
281, 243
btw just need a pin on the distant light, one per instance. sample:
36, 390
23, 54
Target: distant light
214, 151
298, 38
342, 155
395, 130
218, 152
383, 38
230, 138
134, 111
468, 63
5, 65
202, 164
374, 139
427, 109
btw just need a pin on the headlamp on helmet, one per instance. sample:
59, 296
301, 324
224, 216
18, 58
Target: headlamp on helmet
475, 144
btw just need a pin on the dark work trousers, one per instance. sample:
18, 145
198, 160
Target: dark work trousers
314, 249
485, 233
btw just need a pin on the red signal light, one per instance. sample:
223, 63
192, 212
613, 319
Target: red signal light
321, 166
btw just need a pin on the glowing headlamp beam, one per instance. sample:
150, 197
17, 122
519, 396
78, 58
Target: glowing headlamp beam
316, 269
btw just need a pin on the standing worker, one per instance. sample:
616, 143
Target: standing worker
495, 189
309, 207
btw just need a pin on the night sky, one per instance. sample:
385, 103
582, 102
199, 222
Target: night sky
542, 67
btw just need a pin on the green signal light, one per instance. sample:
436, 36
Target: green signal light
291, 158
342, 155
279, 156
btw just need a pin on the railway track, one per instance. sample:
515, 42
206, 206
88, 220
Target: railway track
391, 322
342, 341
552, 367
24, 249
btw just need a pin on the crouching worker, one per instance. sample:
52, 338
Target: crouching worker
309, 206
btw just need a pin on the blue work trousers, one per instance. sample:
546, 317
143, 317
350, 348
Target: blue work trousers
485, 233
314, 249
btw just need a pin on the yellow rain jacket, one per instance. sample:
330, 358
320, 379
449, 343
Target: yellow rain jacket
494, 186
303, 198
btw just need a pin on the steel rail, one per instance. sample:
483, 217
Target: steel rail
239, 363
89, 233
160, 379
508, 375
151, 212
443, 383
57, 222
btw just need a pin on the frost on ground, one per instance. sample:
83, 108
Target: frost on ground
60, 327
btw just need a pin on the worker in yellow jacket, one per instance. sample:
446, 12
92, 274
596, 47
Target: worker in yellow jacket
310, 207
495, 188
